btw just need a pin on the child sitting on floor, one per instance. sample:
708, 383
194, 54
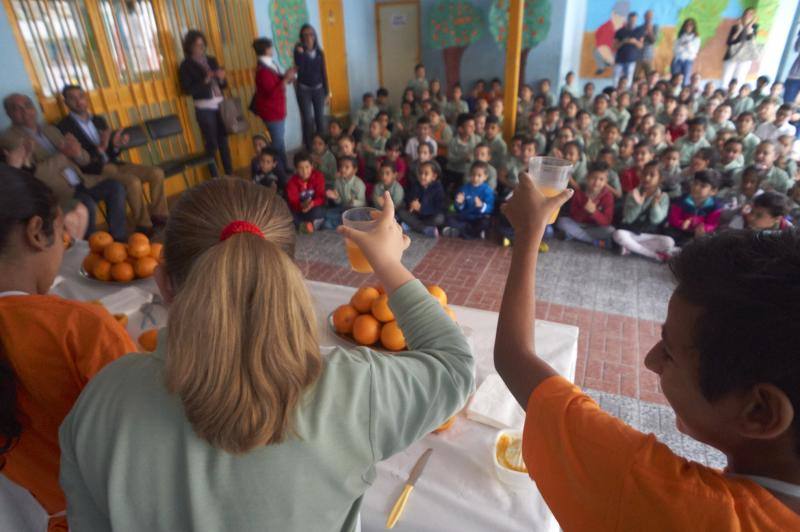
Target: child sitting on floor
335, 132
483, 153
591, 210
387, 182
393, 155
423, 134
694, 140
461, 150
348, 192
371, 148
265, 174
731, 161
644, 212
494, 139
642, 155
259, 143
474, 204
455, 105
424, 154
772, 177
697, 213
767, 212
323, 160
305, 194
363, 117
671, 172
425, 201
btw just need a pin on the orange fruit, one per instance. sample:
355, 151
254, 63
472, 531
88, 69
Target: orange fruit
381, 290
67, 239
99, 240
122, 272
446, 425
449, 312
156, 251
102, 270
437, 292
138, 249
115, 252
366, 329
145, 267
148, 340
343, 318
363, 298
392, 337
380, 309
138, 238
122, 319
90, 262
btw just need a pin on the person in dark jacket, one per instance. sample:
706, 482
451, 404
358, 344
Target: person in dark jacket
203, 79
311, 87
425, 207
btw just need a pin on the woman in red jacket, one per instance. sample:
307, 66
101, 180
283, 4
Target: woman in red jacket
269, 101
305, 193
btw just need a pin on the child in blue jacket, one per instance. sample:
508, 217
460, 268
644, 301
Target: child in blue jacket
474, 205
424, 202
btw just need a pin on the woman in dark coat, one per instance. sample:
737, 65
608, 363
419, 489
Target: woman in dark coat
203, 79
312, 83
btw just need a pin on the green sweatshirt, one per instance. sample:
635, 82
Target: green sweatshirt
460, 154
131, 461
364, 116
655, 213
378, 146
395, 190
326, 163
352, 192
498, 149
688, 148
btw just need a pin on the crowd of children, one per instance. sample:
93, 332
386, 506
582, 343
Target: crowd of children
654, 165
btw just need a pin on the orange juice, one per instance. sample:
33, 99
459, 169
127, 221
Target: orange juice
358, 261
549, 192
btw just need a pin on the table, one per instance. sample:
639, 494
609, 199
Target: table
459, 489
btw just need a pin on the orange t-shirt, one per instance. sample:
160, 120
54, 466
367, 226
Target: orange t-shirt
597, 473
54, 347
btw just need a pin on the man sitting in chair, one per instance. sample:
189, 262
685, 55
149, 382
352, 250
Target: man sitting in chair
104, 147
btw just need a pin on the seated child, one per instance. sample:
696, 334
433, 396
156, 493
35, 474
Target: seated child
423, 134
265, 174
565, 134
624, 157
393, 155
772, 177
745, 124
480, 123
614, 184
574, 154
785, 162
323, 160
364, 117
656, 137
347, 148
426, 201
441, 132
419, 84
731, 160
586, 100
700, 161
474, 204
460, 151
767, 212
496, 110
694, 140
387, 182
609, 136
544, 91
335, 132
629, 179
720, 121
743, 103
371, 148
305, 194
591, 210
494, 138
570, 86
455, 105
643, 214
524, 106
483, 153
349, 191
382, 101
620, 113
259, 143
671, 177
508, 177
424, 154
697, 213
535, 127
678, 126
405, 122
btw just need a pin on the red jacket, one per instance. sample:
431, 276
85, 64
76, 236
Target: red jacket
602, 215
675, 132
269, 100
298, 190
629, 179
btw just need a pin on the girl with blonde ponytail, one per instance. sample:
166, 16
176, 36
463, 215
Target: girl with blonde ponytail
237, 422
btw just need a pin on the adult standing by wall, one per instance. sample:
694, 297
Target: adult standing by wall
649, 32
202, 77
742, 49
629, 41
311, 87
792, 85
269, 101
687, 46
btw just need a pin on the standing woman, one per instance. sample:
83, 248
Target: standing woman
269, 100
203, 79
742, 49
311, 87
687, 46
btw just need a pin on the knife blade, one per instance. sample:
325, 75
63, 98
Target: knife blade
416, 471
400, 505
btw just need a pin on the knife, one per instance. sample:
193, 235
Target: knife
400, 505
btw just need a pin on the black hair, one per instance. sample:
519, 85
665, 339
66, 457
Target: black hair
709, 177
434, 166
747, 285
707, 154
385, 164
785, 107
421, 121
347, 159
429, 145
683, 30
479, 165
482, 144
394, 143
269, 150
463, 118
70, 87
494, 80
605, 150
670, 149
382, 114
418, 66
259, 136
574, 143
22, 197
382, 91
598, 166
552, 110
651, 164
519, 136
734, 140
367, 95
777, 204
301, 156
305, 27
747, 114
492, 119
261, 45
189, 39
527, 141
697, 121
763, 80
751, 172
643, 145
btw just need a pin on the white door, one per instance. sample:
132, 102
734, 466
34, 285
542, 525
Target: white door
398, 45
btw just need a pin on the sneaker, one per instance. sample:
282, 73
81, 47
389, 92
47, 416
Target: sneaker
543, 247
602, 244
406, 228
431, 231
450, 232
307, 228
317, 224
482, 235
506, 242
663, 256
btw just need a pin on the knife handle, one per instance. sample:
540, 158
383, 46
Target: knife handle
399, 506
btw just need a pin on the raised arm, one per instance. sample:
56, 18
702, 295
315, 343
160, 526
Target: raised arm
515, 348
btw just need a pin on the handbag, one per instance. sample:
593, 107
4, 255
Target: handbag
233, 116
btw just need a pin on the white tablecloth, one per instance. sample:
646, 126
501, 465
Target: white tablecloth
459, 489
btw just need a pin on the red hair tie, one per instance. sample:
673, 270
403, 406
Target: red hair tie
239, 226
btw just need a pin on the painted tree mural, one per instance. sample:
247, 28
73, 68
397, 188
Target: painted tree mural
707, 13
535, 27
453, 25
286, 16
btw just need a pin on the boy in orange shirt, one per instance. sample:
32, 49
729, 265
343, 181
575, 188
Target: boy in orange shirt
728, 366
49, 347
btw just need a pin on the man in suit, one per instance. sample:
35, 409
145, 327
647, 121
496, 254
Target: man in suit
104, 147
56, 160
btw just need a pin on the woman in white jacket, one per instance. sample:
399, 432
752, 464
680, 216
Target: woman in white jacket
687, 46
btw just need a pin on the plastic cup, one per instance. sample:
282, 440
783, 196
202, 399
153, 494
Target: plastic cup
361, 218
551, 175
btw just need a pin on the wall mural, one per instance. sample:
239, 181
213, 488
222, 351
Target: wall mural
535, 27
453, 25
286, 17
714, 20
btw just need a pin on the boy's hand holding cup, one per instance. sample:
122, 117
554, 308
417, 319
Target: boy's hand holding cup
529, 211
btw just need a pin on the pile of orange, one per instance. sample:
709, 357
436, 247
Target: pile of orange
115, 261
369, 321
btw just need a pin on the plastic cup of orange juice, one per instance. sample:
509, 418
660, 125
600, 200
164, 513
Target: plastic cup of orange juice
551, 175
361, 218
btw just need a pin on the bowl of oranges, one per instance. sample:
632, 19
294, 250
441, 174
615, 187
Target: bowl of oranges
367, 319
115, 262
